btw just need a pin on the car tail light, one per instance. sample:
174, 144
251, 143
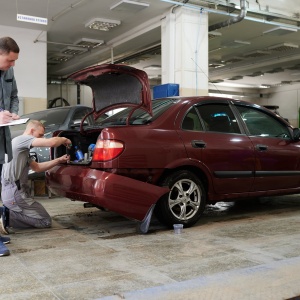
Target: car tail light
107, 150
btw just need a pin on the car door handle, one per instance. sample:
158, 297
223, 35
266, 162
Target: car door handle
198, 144
261, 147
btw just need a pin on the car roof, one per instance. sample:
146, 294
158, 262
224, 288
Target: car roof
71, 107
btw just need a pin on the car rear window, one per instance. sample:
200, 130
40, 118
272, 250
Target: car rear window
139, 116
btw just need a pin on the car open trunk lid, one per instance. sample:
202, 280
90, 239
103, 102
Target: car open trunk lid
115, 86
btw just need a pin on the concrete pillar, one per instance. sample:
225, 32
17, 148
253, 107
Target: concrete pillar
184, 40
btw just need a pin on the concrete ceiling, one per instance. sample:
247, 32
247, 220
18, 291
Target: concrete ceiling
236, 54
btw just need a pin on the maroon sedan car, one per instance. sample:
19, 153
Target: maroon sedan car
172, 156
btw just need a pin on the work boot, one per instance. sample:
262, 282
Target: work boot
4, 213
3, 250
4, 239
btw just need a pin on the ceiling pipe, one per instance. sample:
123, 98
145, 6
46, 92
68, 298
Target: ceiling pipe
67, 9
253, 19
63, 44
232, 20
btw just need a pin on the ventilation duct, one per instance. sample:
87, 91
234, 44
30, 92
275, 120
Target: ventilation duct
283, 47
129, 6
235, 44
235, 59
278, 31
216, 81
257, 53
237, 77
256, 74
232, 20
296, 67
276, 70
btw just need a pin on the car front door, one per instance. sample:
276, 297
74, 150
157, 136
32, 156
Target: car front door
277, 156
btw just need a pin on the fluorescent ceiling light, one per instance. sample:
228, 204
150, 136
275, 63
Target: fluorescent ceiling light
102, 24
214, 50
153, 67
214, 34
132, 61
279, 31
74, 50
89, 43
236, 44
128, 5
154, 76
60, 57
216, 65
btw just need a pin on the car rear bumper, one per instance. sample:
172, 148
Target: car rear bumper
126, 196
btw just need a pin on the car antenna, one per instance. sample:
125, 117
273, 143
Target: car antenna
205, 75
208, 76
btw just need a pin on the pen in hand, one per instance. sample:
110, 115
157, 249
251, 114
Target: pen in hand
5, 116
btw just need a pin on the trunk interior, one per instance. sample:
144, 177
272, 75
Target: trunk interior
81, 151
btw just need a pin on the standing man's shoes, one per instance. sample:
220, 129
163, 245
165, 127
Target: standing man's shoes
4, 220
3, 250
4, 239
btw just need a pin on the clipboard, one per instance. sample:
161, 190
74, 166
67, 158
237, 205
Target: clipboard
15, 122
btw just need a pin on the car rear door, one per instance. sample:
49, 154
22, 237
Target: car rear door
217, 142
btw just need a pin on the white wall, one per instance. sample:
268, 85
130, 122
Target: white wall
31, 67
69, 92
287, 98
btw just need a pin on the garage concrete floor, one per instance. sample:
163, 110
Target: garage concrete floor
248, 250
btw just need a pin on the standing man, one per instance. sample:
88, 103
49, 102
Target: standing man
9, 106
20, 210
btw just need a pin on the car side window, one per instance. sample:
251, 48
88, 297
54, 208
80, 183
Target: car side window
191, 121
219, 118
261, 124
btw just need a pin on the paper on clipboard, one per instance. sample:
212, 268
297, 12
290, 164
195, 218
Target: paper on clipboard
15, 122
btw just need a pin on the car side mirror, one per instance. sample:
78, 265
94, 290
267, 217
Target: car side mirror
296, 134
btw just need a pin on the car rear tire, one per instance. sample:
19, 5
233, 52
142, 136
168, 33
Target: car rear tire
185, 202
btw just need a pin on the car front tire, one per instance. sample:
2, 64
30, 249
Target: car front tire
184, 203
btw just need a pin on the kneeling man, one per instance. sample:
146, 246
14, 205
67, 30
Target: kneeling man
19, 209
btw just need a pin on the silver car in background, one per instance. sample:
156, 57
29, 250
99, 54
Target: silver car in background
59, 118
